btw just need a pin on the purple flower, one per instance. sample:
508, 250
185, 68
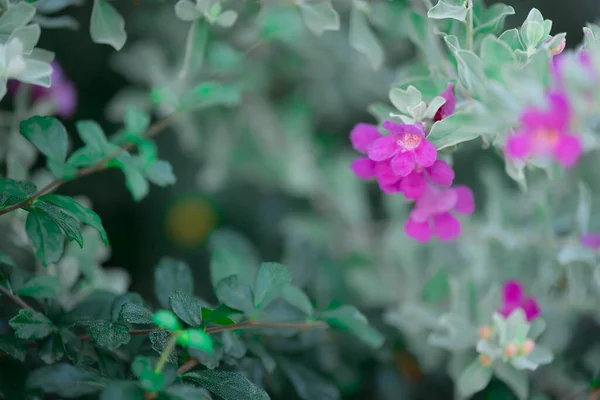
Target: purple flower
431, 215
513, 297
414, 185
448, 108
591, 240
545, 133
62, 92
406, 148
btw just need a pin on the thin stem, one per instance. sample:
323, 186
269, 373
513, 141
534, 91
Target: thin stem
16, 299
470, 25
153, 130
165, 353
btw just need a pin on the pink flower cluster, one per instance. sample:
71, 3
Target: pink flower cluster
546, 132
513, 298
404, 161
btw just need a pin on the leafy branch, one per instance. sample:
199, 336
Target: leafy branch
16, 299
152, 131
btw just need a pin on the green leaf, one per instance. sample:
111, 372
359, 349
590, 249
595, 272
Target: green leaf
136, 122
31, 325
12, 192
195, 47
159, 340
516, 380
166, 320
160, 173
80, 212
51, 349
136, 182
452, 130
363, 39
444, 9
66, 222
187, 307
511, 38
227, 18
437, 288
119, 301
270, 281
219, 315
210, 94
235, 293
48, 135
473, 379
135, 314
495, 53
109, 335
227, 385
92, 135
471, 73
13, 347
122, 391
493, 18
172, 275
7, 260
320, 17
107, 26
65, 380
186, 10
181, 391
149, 379
45, 236
296, 297
16, 16
348, 318
308, 384
41, 287
231, 254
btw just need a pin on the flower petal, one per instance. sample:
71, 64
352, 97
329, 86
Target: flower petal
518, 146
425, 154
448, 107
512, 293
559, 113
568, 150
533, 119
441, 173
591, 240
446, 200
393, 127
383, 148
531, 308
384, 173
403, 163
413, 185
446, 226
363, 168
363, 134
465, 204
419, 231
390, 188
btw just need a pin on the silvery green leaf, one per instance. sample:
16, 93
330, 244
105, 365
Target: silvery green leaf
433, 107
403, 100
538, 326
516, 380
489, 348
107, 26
500, 328
471, 73
584, 206
511, 38
363, 39
17, 15
461, 335
36, 72
227, 18
195, 47
417, 111
452, 43
186, 10
473, 379
60, 22
52, 6
452, 130
42, 55
445, 9
540, 355
517, 326
320, 16
532, 32
523, 362
28, 36
576, 252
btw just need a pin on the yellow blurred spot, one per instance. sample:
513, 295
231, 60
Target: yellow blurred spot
189, 221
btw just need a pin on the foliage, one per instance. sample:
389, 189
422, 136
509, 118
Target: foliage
247, 87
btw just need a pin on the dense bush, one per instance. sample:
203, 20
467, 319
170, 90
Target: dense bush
484, 282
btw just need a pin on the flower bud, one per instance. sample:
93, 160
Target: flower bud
511, 350
559, 49
485, 360
527, 346
166, 320
197, 339
485, 332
